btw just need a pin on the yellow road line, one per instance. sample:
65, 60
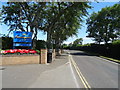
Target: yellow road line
76, 82
110, 61
84, 81
82, 76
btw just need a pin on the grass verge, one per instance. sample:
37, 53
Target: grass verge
110, 59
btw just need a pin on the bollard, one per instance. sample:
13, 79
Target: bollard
49, 55
62, 51
53, 54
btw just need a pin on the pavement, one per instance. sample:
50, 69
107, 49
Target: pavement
58, 74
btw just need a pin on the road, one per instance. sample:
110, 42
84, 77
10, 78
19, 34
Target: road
98, 72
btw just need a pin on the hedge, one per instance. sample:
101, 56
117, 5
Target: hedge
108, 50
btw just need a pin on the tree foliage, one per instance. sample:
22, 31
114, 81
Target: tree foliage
78, 41
70, 19
59, 19
24, 16
104, 26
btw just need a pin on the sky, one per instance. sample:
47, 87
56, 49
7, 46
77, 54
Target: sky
81, 32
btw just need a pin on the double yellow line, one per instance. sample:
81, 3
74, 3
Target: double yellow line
84, 81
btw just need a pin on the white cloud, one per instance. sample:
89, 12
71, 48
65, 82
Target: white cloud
87, 40
66, 42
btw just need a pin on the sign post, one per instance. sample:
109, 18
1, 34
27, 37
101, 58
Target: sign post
22, 39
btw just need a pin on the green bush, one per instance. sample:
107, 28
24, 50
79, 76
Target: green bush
87, 44
116, 42
38, 51
7, 42
78, 45
40, 44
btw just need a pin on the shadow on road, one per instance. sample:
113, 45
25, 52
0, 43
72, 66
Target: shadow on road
61, 56
82, 54
2, 68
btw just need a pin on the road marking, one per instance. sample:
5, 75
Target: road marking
47, 64
84, 81
106, 60
77, 85
67, 63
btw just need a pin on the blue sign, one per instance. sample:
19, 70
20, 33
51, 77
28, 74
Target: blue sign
21, 44
22, 38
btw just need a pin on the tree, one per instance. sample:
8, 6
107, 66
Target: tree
103, 26
66, 26
64, 45
70, 45
24, 16
49, 17
93, 28
78, 41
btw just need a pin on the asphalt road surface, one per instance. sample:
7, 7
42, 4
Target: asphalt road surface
98, 72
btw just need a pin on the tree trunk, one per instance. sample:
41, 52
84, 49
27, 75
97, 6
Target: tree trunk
57, 49
49, 41
34, 43
35, 39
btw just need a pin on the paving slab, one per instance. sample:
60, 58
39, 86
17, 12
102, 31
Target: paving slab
57, 74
